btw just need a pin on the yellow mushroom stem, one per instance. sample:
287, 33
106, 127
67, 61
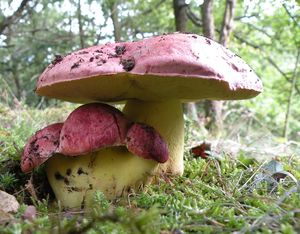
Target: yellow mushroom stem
115, 171
167, 118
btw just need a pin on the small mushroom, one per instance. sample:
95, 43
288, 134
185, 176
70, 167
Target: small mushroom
154, 77
88, 129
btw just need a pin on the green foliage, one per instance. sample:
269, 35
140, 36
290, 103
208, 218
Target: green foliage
265, 35
7, 180
207, 198
218, 195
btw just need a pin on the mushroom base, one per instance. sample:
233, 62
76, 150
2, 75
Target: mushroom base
113, 171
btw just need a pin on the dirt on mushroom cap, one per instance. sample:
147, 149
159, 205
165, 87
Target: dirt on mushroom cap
41, 146
174, 66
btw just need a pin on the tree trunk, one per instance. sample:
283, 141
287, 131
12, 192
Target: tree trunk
227, 24
180, 8
80, 24
180, 13
114, 14
208, 23
213, 109
7, 21
288, 111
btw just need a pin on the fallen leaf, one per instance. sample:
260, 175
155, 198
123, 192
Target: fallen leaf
272, 173
203, 150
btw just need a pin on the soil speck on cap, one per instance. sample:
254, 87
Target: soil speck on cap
208, 41
128, 64
77, 64
57, 58
83, 52
110, 55
120, 50
100, 63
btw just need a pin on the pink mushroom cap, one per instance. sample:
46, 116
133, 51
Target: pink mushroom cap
180, 66
41, 146
89, 128
143, 140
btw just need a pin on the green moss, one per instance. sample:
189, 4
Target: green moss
217, 195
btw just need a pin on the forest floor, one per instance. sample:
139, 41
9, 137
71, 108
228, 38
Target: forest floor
230, 191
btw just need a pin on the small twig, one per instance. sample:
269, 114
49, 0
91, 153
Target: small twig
238, 18
30, 188
237, 183
266, 217
296, 22
252, 176
193, 17
15, 16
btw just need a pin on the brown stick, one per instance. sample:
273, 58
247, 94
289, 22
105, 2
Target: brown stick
16, 15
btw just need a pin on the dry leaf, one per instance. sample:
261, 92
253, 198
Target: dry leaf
203, 150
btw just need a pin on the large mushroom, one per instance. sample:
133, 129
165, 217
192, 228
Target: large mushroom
154, 77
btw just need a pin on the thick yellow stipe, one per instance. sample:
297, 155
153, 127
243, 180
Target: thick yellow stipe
112, 171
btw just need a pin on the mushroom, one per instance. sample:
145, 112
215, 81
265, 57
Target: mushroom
87, 130
154, 77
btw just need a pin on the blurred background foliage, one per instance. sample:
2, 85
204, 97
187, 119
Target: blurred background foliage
265, 33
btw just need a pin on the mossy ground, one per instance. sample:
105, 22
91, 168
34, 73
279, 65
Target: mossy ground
221, 194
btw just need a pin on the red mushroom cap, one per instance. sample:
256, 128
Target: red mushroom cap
90, 127
41, 146
143, 140
180, 66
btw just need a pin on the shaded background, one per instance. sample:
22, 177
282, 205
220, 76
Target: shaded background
264, 33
